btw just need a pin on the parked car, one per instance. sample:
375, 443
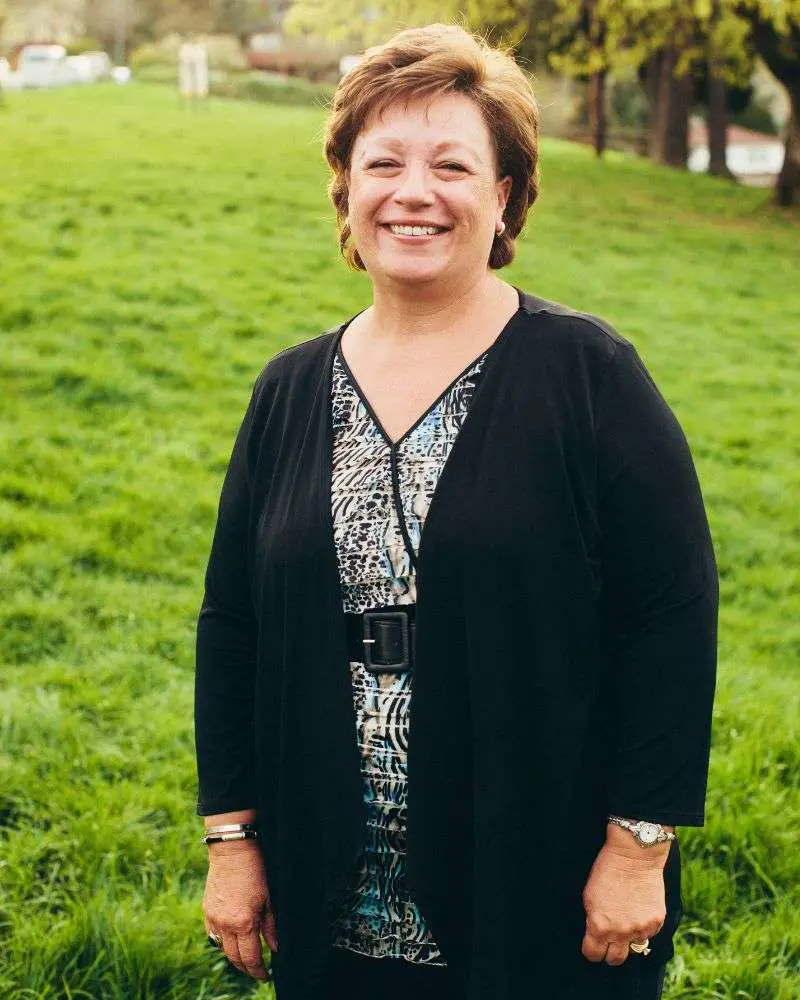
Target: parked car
48, 65
43, 66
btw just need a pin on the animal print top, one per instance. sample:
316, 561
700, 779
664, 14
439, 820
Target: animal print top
379, 918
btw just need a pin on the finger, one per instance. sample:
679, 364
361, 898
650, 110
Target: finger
269, 930
594, 948
230, 946
251, 955
617, 952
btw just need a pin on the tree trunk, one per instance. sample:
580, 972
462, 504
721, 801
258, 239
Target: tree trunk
671, 140
649, 78
717, 123
781, 53
787, 190
597, 110
717, 117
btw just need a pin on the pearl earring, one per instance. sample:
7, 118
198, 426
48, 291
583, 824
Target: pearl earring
501, 228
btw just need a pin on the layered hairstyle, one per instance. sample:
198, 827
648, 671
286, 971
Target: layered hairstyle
425, 63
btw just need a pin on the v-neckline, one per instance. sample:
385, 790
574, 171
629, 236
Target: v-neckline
374, 416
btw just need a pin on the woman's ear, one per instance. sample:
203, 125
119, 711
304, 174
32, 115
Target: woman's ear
504, 186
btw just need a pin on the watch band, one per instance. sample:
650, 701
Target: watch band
646, 834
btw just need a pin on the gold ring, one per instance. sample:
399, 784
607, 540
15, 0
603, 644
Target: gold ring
214, 939
640, 947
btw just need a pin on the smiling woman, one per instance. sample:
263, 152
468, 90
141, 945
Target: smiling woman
456, 653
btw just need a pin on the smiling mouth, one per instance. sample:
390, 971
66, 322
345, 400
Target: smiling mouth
418, 231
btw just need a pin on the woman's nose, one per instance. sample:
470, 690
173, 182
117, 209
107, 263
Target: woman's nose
414, 186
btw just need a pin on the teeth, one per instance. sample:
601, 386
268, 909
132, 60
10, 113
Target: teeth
415, 230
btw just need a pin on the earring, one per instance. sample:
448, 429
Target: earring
501, 228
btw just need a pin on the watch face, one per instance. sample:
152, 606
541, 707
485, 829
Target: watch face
648, 833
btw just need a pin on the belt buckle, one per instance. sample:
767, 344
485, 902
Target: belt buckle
372, 621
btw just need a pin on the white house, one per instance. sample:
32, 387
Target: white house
752, 157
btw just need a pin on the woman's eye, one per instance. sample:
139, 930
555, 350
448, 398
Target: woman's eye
383, 163
452, 166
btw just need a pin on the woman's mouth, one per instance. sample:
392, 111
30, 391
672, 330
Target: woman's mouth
415, 232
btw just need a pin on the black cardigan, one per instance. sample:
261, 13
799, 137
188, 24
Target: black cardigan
565, 655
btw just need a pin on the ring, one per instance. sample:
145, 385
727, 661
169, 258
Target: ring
214, 939
640, 947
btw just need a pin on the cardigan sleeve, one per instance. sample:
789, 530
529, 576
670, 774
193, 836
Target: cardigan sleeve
226, 648
659, 601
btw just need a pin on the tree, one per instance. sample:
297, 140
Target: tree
775, 31
580, 35
669, 39
657, 39
367, 22
717, 116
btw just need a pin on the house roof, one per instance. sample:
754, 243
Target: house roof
736, 135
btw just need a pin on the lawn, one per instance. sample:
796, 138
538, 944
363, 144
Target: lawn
151, 260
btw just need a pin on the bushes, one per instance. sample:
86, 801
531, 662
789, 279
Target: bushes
272, 88
224, 53
268, 88
163, 53
78, 46
158, 63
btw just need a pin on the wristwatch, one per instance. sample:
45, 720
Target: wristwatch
646, 834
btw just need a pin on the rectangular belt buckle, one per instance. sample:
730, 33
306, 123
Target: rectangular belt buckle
392, 632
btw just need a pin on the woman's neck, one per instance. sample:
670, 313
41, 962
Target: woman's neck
399, 313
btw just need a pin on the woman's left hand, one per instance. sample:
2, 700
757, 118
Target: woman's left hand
623, 899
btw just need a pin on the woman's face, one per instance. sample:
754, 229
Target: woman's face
429, 163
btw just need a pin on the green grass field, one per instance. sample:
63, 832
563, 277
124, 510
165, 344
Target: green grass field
151, 261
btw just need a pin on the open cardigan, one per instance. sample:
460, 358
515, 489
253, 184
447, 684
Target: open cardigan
565, 657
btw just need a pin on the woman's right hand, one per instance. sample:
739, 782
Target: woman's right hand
236, 904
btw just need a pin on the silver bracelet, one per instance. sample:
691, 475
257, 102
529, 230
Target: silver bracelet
230, 831
231, 827
219, 838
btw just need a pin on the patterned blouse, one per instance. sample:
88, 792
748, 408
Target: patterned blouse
379, 918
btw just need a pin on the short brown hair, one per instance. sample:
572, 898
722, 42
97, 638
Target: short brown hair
426, 62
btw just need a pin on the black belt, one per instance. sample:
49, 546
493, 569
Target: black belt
382, 638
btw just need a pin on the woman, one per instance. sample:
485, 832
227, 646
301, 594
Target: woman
457, 648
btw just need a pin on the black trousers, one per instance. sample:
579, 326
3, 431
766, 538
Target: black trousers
350, 976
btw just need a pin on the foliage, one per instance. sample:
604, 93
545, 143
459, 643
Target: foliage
274, 89
629, 106
154, 259
224, 52
756, 116
149, 20
362, 23
152, 19
86, 44
164, 52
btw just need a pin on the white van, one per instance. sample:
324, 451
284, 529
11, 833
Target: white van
43, 66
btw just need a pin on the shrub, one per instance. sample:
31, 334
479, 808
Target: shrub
272, 88
756, 116
224, 52
78, 46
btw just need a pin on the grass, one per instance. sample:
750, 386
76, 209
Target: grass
152, 260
